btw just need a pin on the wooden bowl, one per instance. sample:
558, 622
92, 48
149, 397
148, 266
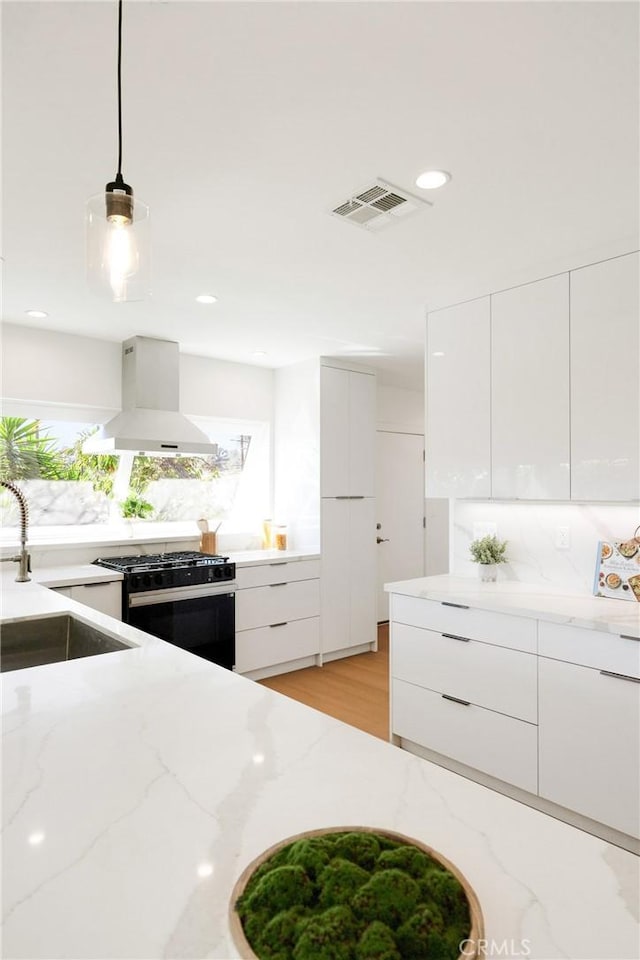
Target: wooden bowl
476, 933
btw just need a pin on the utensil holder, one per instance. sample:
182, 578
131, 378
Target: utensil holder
208, 543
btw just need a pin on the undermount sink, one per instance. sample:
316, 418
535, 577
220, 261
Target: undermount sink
31, 643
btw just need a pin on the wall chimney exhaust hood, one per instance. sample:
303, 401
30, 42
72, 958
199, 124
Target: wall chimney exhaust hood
150, 421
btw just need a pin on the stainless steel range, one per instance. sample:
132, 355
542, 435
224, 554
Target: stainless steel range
184, 597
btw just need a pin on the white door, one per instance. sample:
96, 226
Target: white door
399, 510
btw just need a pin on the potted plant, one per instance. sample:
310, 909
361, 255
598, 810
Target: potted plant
488, 552
136, 506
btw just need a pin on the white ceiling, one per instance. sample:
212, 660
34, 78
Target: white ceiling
244, 123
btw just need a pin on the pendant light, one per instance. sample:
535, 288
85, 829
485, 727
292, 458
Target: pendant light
118, 255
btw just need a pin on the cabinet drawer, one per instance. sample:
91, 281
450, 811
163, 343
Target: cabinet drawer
590, 743
488, 676
590, 648
266, 646
497, 745
277, 603
277, 571
501, 629
106, 596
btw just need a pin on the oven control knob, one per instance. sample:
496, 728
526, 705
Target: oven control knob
135, 582
158, 579
228, 572
146, 579
217, 572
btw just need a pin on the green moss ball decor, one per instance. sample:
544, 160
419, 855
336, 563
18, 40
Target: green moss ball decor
354, 893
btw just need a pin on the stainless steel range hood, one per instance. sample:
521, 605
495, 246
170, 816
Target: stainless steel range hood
150, 421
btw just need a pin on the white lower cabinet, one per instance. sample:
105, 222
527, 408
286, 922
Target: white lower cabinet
499, 746
485, 675
552, 709
279, 643
106, 596
277, 617
590, 742
348, 580
456, 693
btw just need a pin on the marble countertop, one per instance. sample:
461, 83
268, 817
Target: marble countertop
528, 600
138, 785
72, 574
252, 558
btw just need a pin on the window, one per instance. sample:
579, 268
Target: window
65, 486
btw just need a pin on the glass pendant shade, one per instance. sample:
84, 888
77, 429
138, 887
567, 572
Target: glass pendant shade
118, 247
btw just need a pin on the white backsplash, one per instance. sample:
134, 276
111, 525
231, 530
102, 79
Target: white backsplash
532, 531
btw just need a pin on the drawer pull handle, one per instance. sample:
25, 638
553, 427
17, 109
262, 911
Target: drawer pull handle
279, 563
625, 636
619, 676
283, 584
465, 703
459, 606
283, 624
452, 636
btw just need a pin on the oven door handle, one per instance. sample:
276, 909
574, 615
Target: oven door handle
175, 594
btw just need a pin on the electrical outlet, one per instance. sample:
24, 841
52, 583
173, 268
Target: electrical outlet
563, 538
483, 528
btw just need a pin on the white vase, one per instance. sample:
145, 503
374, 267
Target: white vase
488, 572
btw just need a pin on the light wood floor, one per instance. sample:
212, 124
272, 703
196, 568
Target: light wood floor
355, 689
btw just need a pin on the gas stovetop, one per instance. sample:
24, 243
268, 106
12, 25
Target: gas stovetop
161, 571
161, 561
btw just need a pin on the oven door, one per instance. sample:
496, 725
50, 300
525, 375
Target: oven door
200, 619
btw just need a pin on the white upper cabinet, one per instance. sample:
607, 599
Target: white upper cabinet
530, 391
458, 428
347, 432
605, 380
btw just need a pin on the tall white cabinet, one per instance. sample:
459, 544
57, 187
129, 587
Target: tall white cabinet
458, 396
605, 380
348, 529
325, 483
530, 391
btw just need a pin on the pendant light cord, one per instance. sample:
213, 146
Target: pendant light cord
119, 174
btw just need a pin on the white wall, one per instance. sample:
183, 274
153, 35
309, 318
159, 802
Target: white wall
531, 529
218, 388
45, 373
400, 410
297, 453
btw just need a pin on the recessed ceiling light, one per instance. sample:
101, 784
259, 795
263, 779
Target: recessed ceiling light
205, 870
259, 353
36, 314
35, 839
432, 179
438, 353
206, 298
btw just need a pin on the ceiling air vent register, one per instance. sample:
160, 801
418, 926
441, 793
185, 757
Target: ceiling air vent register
378, 206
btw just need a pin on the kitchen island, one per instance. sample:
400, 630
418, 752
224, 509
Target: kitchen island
139, 784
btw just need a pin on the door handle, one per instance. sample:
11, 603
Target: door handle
619, 676
465, 703
382, 539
